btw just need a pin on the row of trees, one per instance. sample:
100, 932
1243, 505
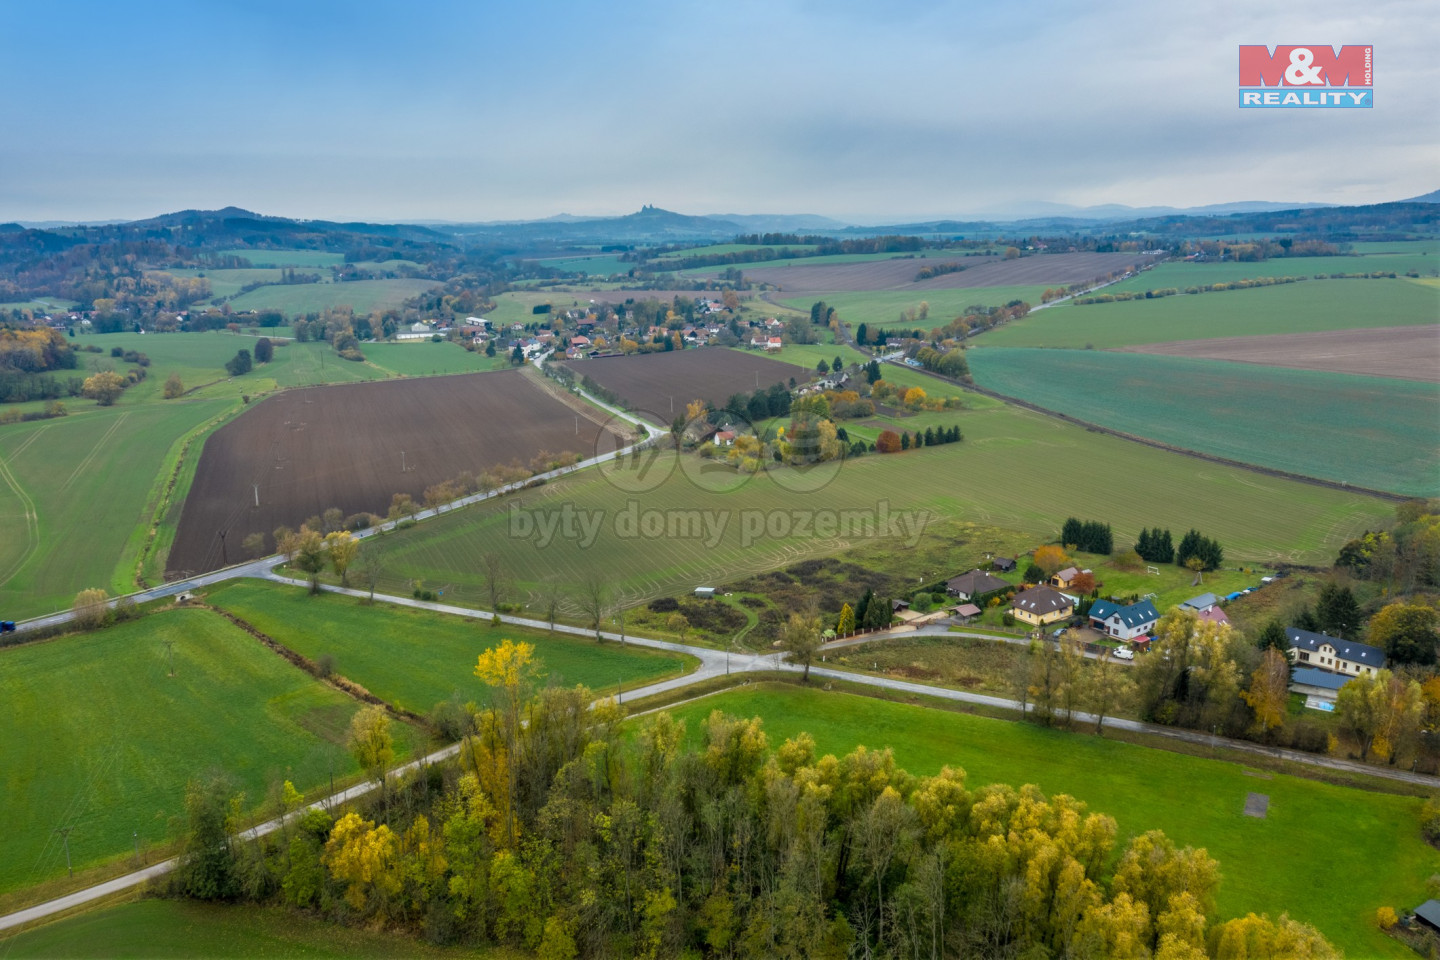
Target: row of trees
891, 442
1091, 536
560, 832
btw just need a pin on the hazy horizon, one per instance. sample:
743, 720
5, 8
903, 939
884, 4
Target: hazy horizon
483, 112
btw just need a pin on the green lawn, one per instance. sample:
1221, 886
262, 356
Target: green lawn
1373, 432
414, 658
882, 308
425, 358
99, 737
1015, 470
40, 304
1289, 308
1327, 855
227, 283
163, 929
78, 493
363, 296
287, 258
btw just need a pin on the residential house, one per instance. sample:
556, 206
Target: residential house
1213, 615
580, 341
724, 438
759, 340
976, 583
774, 343
1041, 605
1123, 623
1333, 654
1063, 578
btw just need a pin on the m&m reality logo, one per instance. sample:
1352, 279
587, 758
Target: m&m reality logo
1308, 75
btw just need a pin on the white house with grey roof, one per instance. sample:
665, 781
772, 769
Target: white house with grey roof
1325, 652
1123, 623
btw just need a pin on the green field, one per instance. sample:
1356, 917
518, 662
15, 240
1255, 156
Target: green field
1017, 470
1181, 275
415, 658
362, 296
1317, 855
1373, 432
116, 758
427, 359
1290, 308
829, 260
76, 494
287, 258
227, 283
165, 929
882, 308
595, 265
43, 304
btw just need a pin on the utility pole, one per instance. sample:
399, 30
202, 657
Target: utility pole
402, 461
224, 560
136, 837
65, 835
257, 493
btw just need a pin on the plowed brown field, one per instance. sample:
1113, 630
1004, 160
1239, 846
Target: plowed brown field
659, 385
1058, 268
354, 446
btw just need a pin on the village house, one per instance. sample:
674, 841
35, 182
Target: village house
1063, 578
1123, 623
1041, 605
774, 343
1333, 654
976, 583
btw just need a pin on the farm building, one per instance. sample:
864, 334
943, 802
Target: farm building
1041, 605
705, 593
417, 331
1123, 623
976, 583
1333, 653
1319, 687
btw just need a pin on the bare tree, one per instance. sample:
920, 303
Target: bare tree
594, 598
367, 568
497, 581
553, 598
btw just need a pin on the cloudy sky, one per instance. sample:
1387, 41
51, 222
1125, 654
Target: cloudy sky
865, 111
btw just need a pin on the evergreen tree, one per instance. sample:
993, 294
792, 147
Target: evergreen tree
1274, 636
1070, 533
862, 332
1338, 612
904, 440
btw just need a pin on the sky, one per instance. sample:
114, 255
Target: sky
861, 111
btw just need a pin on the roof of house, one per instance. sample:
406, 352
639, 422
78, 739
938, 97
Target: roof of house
1068, 574
1429, 911
1203, 602
1003, 563
1312, 677
1213, 615
975, 582
1344, 649
967, 610
1136, 615
1042, 600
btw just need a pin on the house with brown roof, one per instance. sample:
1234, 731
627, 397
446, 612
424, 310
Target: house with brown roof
976, 583
1041, 605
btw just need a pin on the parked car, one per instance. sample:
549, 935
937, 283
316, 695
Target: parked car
1124, 653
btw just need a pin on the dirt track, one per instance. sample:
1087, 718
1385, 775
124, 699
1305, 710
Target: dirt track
899, 274
651, 384
1406, 353
354, 446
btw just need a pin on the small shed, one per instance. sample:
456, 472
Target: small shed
705, 593
1428, 915
1003, 564
966, 611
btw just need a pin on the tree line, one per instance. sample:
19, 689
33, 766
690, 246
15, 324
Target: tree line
563, 831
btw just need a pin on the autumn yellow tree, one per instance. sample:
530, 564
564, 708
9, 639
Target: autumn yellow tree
1269, 692
367, 859
370, 741
310, 555
695, 410
1050, 558
342, 547
174, 387
104, 387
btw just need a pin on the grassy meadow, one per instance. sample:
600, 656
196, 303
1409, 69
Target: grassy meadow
363, 296
1314, 305
287, 258
882, 308
1181, 274
1270, 865
1373, 432
78, 493
415, 658
116, 760
178, 929
1015, 470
